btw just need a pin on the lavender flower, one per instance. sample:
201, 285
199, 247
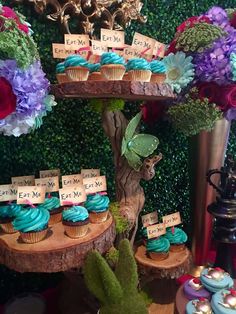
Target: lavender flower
218, 16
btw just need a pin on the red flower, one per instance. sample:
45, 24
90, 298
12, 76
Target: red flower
197, 281
233, 20
227, 97
7, 98
171, 48
210, 91
10, 14
190, 22
152, 111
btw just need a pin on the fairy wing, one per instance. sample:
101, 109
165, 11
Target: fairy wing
143, 144
133, 159
132, 126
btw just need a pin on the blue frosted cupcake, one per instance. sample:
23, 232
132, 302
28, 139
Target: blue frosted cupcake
32, 223
52, 204
216, 279
201, 305
224, 302
77, 68
177, 238
97, 206
158, 69
158, 249
139, 70
60, 73
8, 212
75, 221
112, 66
94, 72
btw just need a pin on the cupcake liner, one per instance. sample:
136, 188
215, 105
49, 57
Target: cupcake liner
140, 75
76, 231
62, 78
113, 72
95, 76
158, 78
158, 256
76, 74
98, 217
55, 218
8, 227
177, 247
33, 237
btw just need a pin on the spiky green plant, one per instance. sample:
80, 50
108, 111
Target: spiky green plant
117, 291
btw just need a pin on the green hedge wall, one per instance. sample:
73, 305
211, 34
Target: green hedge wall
71, 137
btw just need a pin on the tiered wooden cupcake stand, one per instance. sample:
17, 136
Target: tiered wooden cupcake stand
59, 253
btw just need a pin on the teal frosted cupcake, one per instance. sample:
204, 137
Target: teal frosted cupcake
8, 212
158, 69
94, 72
77, 68
52, 204
32, 223
112, 66
177, 238
60, 73
139, 70
75, 221
158, 249
97, 206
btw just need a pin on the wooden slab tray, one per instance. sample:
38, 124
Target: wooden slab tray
113, 89
57, 252
177, 264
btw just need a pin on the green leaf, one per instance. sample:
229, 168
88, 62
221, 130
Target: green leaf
132, 126
123, 146
133, 159
144, 144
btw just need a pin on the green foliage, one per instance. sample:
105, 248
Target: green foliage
122, 224
123, 284
199, 37
99, 105
194, 115
101, 280
17, 45
112, 257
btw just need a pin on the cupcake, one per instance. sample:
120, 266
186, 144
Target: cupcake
112, 66
158, 69
158, 249
75, 221
97, 206
95, 74
76, 68
60, 73
52, 204
224, 302
8, 213
139, 70
201, 306
216, 279
194, 289
177, 238
32, 223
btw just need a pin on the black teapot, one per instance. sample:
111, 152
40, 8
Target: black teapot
227, 185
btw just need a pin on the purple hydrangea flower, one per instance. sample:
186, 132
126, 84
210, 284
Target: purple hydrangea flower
213, 65
30, 86
218, 16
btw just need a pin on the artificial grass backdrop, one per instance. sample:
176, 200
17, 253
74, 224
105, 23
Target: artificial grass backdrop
72, 137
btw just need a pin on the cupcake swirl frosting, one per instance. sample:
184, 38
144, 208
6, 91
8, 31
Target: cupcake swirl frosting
94, 67
75, 213
32, 219
138, 64
176, 237
159, 245
158, 67
50, 203
60, 67
111, 58
97, 203
75, 61
9, 211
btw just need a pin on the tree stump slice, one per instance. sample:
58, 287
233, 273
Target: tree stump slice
176, 265
129, 90
57, 252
